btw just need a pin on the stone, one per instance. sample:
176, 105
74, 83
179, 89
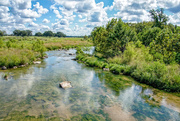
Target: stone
74, 59
65, 84
105, 69
4, 68
71, 53
14, 67
46, 56
37, 62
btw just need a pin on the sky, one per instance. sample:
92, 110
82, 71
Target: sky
78, 17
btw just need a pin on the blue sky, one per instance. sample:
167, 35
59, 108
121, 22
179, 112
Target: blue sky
78, 17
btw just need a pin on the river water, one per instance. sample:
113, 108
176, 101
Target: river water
33, 93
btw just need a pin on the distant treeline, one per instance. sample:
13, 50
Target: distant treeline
29, 33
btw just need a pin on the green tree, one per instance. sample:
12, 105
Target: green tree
17, 32
159, 18
39, 34
60, 34
121, 35
48, 34
85, 37
29, 32
148, 36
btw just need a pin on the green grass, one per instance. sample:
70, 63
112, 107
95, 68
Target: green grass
15, 51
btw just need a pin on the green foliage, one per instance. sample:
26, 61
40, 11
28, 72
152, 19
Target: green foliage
8, 44
150, 35
112, 40
22, 33
1, 43
48, 34
166, 44
2, 33
38, 34
85, 37
38, 46
60, 34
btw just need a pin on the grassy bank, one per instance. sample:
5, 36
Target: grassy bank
18, 51
138, 63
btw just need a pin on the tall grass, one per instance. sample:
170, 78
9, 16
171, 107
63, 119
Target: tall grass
14, 57
16, 51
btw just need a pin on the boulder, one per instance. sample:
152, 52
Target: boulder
4, 68
105, 69
65, 84
14, 67
37, 62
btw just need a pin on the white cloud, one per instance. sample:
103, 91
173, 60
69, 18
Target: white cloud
46, 21
40, 8
32, 24
80, 16
175, 19
57, 13
64, 22
4, 3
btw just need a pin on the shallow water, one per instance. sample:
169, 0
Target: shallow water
33, 93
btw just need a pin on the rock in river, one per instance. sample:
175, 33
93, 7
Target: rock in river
65, 84
37, 62
4, 68
105, 69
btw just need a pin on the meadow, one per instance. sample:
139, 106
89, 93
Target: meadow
21, 51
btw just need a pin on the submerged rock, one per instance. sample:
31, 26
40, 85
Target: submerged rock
4, 68
65, 84
37, 62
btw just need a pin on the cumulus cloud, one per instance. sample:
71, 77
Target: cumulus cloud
46, 21
14, 14
4, 3
40, 8
57, 13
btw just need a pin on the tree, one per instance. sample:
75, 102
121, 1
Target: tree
1, 33
23, 33
121, 35
29, 32
159, 18
39, 34
48, 33
85, 37
17, 32
60, 34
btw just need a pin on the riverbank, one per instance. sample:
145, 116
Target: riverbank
155, 74
22, 51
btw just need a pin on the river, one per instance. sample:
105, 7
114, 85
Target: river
33, 93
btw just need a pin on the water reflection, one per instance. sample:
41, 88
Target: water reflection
33, 92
